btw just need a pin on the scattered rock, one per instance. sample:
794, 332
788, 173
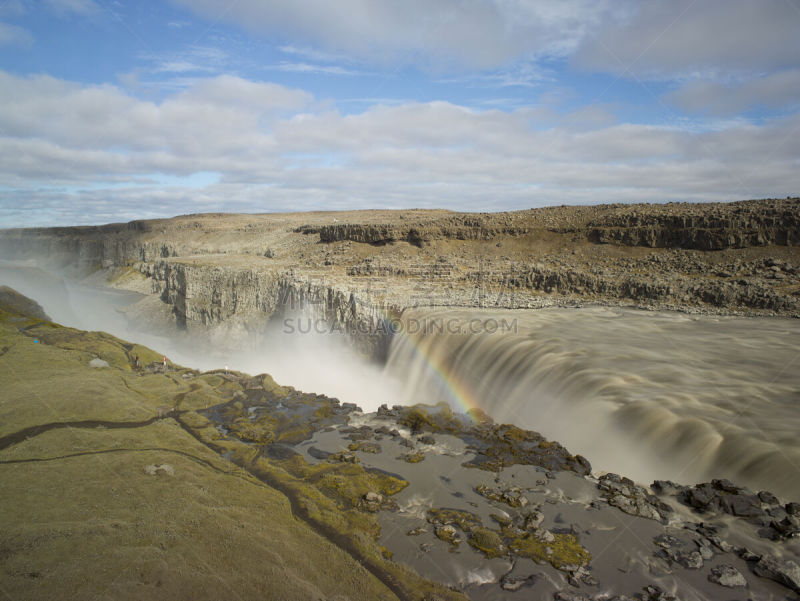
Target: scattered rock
512, 583
98, 363
164, 468
414, 457
372, 502
448, 534
727, 575
768, 498
785, 572
631, 498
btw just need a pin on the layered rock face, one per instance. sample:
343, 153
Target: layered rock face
715, 227
360, 269
702, 227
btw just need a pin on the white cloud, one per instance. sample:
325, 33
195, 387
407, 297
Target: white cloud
479, 34
76, 7
775, 91
309, 68
198, 59
667, 39
276, 148
13, 35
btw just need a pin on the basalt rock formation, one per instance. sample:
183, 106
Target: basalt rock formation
358, 269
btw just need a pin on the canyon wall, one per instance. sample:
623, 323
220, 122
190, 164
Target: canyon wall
358, 271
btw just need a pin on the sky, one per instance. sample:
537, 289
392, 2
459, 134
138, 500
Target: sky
112, 111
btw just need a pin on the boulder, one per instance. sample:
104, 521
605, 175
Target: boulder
727, 575
785, 572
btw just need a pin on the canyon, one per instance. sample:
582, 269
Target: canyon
359, 269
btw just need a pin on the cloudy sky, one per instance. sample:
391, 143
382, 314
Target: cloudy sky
111, 111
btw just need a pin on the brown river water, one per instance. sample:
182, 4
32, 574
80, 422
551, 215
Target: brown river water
651, 395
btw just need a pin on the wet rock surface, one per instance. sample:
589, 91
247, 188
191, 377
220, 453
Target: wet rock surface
490, 516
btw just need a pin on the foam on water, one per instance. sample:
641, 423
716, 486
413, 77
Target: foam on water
650, 395
646, 394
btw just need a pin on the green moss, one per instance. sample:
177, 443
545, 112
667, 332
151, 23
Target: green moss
417, 419
448, 534
562, 552
415, 457
272, 386
297, 434
324, 412
514, 434
444, 516
365, 447
487, 542
256, 433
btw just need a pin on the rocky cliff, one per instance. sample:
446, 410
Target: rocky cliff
357, 270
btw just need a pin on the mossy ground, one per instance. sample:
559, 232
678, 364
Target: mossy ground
562, 552
80, 518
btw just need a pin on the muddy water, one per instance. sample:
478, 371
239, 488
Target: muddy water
650, 395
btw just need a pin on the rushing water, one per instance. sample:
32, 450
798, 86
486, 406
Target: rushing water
650, 395
646, 394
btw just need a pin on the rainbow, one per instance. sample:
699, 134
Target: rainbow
460, 395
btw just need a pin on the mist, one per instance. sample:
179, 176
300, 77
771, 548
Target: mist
653, 395
301, 357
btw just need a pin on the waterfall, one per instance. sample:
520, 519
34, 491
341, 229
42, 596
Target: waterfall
652, 395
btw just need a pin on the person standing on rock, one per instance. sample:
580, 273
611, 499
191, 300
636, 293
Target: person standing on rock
136, 361
164, 361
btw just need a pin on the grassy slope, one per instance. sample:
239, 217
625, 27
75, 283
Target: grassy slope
79, 517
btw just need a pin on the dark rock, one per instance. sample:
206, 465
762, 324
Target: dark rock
720, 544
747, 506
727, 575
784, 572
655, 593
704, 548
318, 453
788, 527
384, 411
793, 509
565, 596
702, 497
427, 439
280, 451
667, 487
747, 555
667, 541
512, 583
369, 447
726, 486
533, 520
768, 498
624, 494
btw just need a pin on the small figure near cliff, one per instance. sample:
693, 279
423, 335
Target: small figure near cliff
136, 361
226, 370
164, 361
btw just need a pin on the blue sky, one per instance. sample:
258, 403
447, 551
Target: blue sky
111, 111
